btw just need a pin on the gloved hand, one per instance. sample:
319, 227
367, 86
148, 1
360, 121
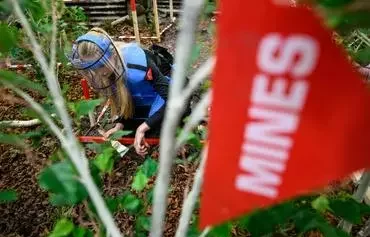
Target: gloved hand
116, 128
141, 147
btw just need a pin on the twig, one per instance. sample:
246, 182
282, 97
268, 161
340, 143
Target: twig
205, 232
119, 20
51, 79
189, 203
199, 77
72, 148
174, 109
22, 123
358, 196
38, 109
196, 116
365, 230
53, 44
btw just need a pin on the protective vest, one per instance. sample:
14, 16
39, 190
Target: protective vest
142, 92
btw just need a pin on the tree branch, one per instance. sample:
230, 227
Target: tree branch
358, 196
174, 110
22, 123
38, 109
198, 77
53, 45
205, 232
189, 203
196, 116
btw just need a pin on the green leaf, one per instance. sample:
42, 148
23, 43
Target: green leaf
36, 135
334, 3
321, 204
363, 56
150, 167
112, 204
130, 203
8, 38
140, 181
143, 223
256, 223
20, 81
328, 230
119, 134
79, 232
11, 139
62, 181
306, 219
349, 210
84, 107
277, 215
350, 21
105, 161
223, 230
95, 173
99, 147
63, 227
149, 196
35, 9
210, 8
194, 140
193, 231
8, 196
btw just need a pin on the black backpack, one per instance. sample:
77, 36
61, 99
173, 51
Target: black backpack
162, 58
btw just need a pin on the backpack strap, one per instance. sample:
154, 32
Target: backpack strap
137, 66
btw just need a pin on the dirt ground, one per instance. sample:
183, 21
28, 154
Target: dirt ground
32, 215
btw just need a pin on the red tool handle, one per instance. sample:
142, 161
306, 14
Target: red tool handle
123, 140
85, 88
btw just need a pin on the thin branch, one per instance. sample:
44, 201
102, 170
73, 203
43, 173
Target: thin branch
53, 47
22, 123
50, 76
358, 196
72, 148
174, 110
198, 77
365, 230
205, 232
196, 116
38, 109
189, 203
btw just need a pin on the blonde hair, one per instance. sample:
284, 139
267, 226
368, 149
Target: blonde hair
121, 103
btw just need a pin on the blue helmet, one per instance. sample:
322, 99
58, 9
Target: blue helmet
95, 56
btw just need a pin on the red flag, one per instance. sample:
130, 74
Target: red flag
289, 113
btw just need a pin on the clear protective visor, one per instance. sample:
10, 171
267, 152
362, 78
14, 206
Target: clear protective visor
96, 58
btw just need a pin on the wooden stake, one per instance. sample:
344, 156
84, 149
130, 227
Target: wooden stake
156, 20
171, 10
134, 21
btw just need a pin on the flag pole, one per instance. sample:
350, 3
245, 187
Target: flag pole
156, 20
134, 21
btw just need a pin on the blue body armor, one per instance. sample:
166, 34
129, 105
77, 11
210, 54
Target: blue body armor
142, 92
